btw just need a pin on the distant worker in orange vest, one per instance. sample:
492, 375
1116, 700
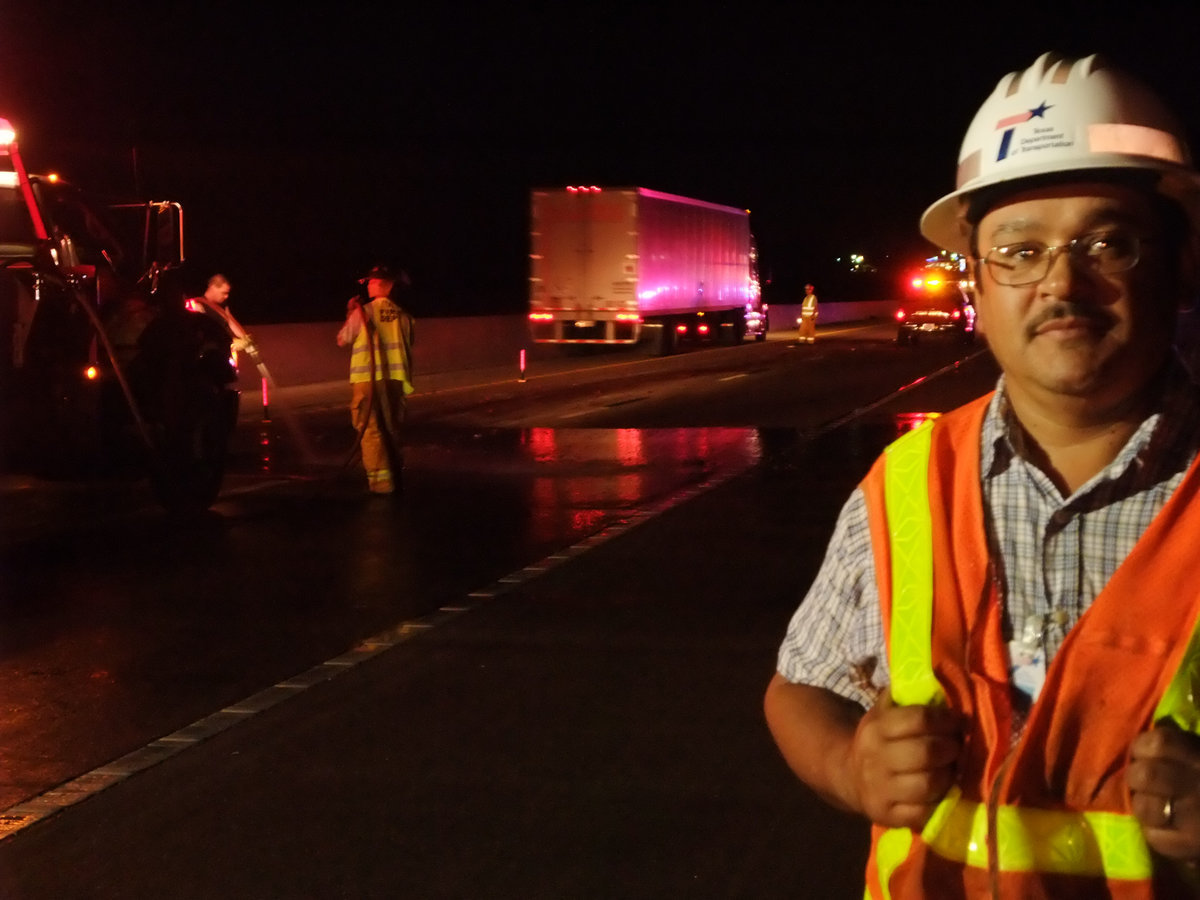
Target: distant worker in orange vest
380, 333
996, 663
808, 316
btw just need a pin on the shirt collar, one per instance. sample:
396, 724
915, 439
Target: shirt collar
1169, 432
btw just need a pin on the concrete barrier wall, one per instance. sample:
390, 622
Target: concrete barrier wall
307, 353
783, 315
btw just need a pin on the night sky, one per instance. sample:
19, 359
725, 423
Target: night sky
308, 141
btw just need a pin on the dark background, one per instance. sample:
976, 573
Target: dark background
308, 141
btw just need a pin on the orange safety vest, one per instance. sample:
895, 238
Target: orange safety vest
1051, 816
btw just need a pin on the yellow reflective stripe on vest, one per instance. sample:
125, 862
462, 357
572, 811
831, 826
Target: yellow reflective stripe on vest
1179, 700
891, 849
1097, 844
910, 531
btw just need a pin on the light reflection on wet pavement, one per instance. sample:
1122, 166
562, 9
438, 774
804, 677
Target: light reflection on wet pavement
571, 481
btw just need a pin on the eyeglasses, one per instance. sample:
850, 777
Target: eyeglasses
1027, 262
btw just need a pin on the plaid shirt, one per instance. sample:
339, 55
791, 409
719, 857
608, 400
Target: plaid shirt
1051, 554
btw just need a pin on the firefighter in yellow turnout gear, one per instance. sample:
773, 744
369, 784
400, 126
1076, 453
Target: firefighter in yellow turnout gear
380, 333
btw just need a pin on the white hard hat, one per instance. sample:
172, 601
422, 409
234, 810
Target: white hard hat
1061, 116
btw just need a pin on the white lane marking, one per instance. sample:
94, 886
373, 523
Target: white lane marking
43, 806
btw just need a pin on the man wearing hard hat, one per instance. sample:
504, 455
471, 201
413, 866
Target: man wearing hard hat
997, 662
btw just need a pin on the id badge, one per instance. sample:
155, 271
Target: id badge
1028, 659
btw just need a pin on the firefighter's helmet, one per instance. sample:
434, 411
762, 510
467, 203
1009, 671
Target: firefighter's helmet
1062, 116
398, 277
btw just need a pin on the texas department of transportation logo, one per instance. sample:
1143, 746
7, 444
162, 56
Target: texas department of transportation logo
1019, 136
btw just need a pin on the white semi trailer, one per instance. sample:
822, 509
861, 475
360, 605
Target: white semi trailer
616, 265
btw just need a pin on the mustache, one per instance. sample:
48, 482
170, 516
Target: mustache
1096, 316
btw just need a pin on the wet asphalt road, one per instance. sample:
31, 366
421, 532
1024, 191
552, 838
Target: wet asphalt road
558, 643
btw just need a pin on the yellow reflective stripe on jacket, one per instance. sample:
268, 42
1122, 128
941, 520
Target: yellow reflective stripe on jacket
910, 527
1179, 700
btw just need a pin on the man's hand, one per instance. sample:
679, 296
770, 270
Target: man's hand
1164, 781
904, 760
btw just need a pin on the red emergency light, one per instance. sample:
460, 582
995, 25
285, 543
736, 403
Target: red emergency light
901, 315
925, 281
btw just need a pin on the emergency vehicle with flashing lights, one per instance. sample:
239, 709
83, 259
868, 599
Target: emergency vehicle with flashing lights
938, 302
103, 371
617, 265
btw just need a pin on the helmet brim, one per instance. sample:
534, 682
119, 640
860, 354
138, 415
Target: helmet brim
945, 224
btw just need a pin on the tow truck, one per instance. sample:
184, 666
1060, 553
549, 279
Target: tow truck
103, 370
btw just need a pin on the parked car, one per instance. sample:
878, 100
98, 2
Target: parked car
937, 305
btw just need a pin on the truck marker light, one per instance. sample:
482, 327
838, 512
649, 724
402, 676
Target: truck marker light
681, 328
541, 317
901, 315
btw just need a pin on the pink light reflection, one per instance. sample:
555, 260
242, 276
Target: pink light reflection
543, 444
630, 450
